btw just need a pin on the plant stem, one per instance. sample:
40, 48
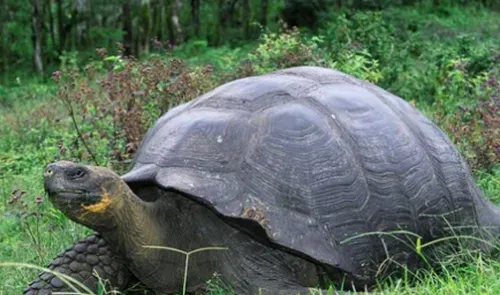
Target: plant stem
72, 115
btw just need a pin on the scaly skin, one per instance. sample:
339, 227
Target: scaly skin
79, 262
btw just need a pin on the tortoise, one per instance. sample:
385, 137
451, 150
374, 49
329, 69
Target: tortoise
306, 175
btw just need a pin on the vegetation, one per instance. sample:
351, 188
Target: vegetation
96, 95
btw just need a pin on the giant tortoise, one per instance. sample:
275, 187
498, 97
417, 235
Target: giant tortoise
306, 175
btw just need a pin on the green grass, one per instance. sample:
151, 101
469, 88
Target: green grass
30, 239
35, 129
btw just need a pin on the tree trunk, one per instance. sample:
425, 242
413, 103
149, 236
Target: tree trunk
146, 26
176, 9
263, 16
4, 46
37, 36
81, 7
127, 28
220, 21
156, 24
51, 24
229, 15
45, 36
246, 19
168, 19
195, 13
60, 26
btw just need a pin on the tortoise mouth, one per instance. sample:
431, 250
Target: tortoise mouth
66, 192
81, 206
73, 197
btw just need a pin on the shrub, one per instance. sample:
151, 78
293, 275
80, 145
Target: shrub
284, 49
115, 101
361, 31
475, 127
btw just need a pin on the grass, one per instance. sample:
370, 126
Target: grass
35, 130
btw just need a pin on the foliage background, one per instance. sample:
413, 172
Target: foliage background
83, 80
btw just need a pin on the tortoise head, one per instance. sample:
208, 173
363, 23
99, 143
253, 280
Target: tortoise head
88, 195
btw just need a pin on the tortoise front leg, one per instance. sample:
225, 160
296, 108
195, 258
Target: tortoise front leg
79, 262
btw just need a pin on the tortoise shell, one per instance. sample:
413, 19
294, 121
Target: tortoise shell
316, 160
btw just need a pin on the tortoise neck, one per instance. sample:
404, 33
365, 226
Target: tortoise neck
136, 224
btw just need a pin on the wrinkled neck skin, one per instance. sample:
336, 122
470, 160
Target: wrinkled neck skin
134, 224
137, 224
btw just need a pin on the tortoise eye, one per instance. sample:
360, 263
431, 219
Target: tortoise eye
77, 173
